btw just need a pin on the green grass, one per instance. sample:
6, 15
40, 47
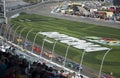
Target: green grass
75, 29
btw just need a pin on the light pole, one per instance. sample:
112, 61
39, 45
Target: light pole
15, 32
42, 46
27, 36
53, 49
4, 6
10, 32
21, 32
34, 41
103, 61
66, 53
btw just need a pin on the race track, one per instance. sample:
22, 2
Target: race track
45, 9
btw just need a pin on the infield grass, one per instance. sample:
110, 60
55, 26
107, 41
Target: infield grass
74, 29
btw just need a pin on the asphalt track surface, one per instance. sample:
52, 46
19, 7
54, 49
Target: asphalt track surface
14, 3
45, 9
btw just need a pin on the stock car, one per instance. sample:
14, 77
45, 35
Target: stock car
59, 59
37, 49
74, 66
49, 54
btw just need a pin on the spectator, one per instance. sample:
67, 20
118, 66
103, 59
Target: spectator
3, 67
23, 66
